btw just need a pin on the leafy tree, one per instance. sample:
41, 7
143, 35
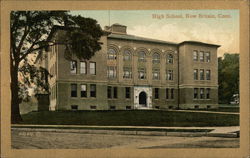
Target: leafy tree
30, 33
228, 72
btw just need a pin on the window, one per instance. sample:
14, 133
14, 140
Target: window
92, 90
172, 93
195, 74
167, 96
202, 93
207, 56
83, 90
73, 67
142, 56
208, 75
115, 92
92, 67
208, 93
74, 107
170, 59
195, 55
170, 75
156, 93
142, 73
73, 90
127, 92
156, 58
127, 55
111, 72
92, 107
127, 72
195, 93
111, 54
201, 56
109, 90
83, 68
112, 107
156, 74
128, 107
201, 74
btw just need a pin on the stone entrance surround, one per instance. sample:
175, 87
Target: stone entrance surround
137, 91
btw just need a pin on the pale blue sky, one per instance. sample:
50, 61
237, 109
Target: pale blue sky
222, 31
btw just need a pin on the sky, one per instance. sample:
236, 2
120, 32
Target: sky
211, 26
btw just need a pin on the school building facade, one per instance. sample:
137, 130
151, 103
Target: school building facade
132, 72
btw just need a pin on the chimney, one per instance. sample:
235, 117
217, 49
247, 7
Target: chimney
116, 28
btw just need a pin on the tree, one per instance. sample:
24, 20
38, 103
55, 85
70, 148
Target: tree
228, 72
30, 33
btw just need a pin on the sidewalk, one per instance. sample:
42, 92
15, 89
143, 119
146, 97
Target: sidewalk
133, 130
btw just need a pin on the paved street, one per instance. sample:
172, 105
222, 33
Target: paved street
67, 140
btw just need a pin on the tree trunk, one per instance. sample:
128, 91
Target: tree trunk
15, 111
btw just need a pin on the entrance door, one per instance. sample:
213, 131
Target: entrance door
143, 99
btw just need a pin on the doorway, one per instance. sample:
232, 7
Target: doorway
143, 99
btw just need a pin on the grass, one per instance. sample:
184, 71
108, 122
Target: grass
131, 118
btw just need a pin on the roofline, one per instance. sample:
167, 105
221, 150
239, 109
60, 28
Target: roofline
144, 40
197, 42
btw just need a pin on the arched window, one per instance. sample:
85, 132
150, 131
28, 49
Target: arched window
156, 58
142, 56
111, 54
170, 59
126, 55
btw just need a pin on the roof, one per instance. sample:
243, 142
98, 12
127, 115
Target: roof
137, 38
200, 43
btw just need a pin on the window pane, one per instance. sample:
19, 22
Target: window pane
201, 56
127, 72
111, 72
167, 96
156, 58
127, 55
172, 93
156, 74
92, 90
73, 67
115, 92
109, 92
111, 54
208, 75
142, 56
83, 67
127, 89
83, 90
156, 93
202, 93
201, 74
208, 93
92, 67
170, 75
73, 90
195, 55
142, 73
195, 93
170, 59
195, 74
207, 56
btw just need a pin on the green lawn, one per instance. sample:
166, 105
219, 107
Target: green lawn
130, 118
